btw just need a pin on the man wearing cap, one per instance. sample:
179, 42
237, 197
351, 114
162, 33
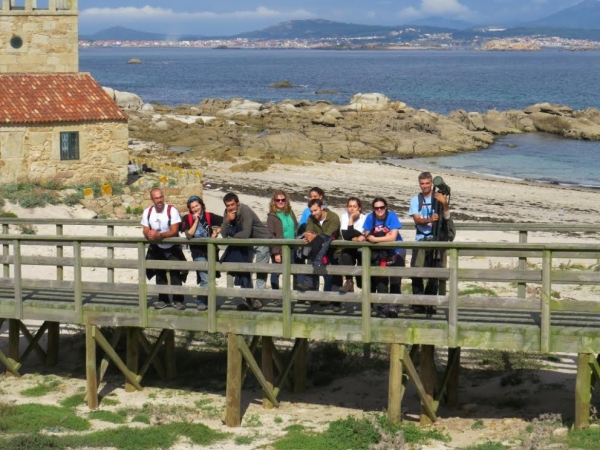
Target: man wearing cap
161, 221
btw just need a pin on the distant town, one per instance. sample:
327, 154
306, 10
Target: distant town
439, 41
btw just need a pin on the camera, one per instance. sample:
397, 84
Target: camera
442, 187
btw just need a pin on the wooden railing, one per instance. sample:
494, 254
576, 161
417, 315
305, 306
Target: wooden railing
447, 329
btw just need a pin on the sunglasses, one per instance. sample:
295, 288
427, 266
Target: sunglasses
280, 200
379, 208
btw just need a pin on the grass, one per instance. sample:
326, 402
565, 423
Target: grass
141, 418
487, 446
33, 418
473, 289
584, 439
109, 416
41, 389
478, 425
73, 401
244, 440
358, 434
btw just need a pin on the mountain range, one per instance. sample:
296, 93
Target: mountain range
580, 21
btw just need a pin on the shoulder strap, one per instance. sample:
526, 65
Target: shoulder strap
208, 218
169, 215
421, 201
149, 214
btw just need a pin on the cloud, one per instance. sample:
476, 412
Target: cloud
152, 13
428, 8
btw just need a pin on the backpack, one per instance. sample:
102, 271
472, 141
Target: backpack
168, 215
447, 230
190, 219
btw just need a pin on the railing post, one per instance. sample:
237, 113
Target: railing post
59, 253
546, 296
366, 294
5, 252
212, 287
395, 387
583, 394
110, 255
286, 284
77, 279
18, 276
143, 285
453, 298
522, 287
233, 393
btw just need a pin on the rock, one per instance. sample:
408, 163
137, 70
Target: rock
240, 109
125, 100
498, 123
134, 61
560, 432
147, 107
287, 107
161, 125
548, 108
281, 84
566, 126
325, 92
368, 102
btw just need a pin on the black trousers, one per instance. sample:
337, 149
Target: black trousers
173, 253
431, 259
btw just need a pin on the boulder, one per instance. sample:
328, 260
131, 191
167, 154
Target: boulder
549, 108
134, 61
240, 109
125, 100
325, 92
568, 127
498, 123
283, 84
368, 102
147, 107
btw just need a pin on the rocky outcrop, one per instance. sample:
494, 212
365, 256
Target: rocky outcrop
125, 100
370, 126
284, 84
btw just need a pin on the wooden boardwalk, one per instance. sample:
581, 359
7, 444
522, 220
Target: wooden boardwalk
75, 295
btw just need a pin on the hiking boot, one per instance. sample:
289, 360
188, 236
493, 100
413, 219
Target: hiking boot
179, 306
201, 306
161, 305
347, 287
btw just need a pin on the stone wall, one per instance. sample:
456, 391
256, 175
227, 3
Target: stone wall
49, 38
33, 153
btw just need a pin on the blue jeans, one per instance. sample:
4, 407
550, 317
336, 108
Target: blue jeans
202, 280
263, 255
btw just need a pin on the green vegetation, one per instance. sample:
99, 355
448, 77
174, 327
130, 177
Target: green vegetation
109, 416
478, 425
32, 418
584, 439
358, 434
41, 389
473, 289
73, 401
252, 420
141, 418
110, 401
505, 360
244, 440
489, 445
26, 228
32, 442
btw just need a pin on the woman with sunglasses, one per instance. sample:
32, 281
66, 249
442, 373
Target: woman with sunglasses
382, 226
199, 223
282, 224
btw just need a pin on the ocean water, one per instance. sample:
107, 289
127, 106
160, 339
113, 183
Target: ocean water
440, 81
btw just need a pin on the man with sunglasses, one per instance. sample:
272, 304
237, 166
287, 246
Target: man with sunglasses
382, 226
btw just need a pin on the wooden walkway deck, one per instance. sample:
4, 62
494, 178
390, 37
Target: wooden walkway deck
540, 323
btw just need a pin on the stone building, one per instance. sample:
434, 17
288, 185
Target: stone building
55, 123
39, 36
61, 127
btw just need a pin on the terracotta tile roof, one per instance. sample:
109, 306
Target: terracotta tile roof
28, 98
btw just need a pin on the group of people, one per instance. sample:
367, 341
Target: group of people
318, 227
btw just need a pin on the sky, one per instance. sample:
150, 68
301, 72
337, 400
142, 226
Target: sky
228, 17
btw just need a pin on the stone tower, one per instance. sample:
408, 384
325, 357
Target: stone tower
39, 36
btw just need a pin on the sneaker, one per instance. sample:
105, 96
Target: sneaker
160, 305
347, 287
304, 286
201, 306
391, 313
179, 306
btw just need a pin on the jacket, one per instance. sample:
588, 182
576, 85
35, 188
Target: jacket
248, 224
275, 227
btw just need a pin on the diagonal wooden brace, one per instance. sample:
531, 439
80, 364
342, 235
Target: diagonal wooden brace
283, 376
152, 351
253, 365
452, 362
131, 377
414, 376
33, 342
11, 365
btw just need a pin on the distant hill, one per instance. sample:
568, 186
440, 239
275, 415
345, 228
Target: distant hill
127, 34
583, 15
320, 28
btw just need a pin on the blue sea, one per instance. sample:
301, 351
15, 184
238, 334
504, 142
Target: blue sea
440, 81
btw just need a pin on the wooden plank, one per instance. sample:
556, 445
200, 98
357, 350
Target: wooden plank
284, 371
59, 253
286, 285
105, 362
395, 387
53, 343
90, 367
582, 277
13, 348
17, 275
266, 360
152, 352
546, 296
428, 377
443, 387
583, 391
522, 265
143, 285
509, 303
252, 364
414, 377
366, 295
595, 367
5, 253
133, 354
212, 288
453, 378
78, 290
131, 377
301, 366
110, 255
453, 298
503, 276
253, 346
170, 354
233, 393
